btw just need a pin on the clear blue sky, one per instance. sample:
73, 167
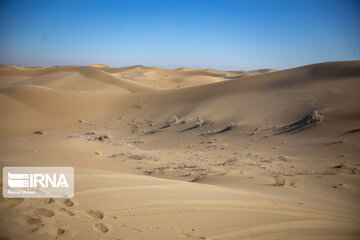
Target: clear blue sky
217, 34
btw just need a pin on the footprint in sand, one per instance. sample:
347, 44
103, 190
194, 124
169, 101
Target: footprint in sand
70, 213
43, 212
53, 232
9, 203
29, 220
95, 214
45, 200
68, 203
60, 231
29, 224
101, 228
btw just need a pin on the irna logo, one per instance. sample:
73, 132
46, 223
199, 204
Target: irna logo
38, 182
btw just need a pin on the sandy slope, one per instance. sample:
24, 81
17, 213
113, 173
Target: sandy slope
208, 182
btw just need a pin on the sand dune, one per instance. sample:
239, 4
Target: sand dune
175, 78
68, 78
214, 173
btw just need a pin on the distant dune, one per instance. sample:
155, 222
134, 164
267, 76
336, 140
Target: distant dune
189, 153
98, 65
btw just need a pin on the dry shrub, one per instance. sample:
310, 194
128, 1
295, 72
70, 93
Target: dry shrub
232, 125
342, 165
162, 169
39, 132
315, 116
294, 183
98, 152
355, 171
280, 181
172, 120
200, 122
137, 155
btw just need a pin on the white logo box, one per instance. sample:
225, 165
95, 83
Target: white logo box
38, 182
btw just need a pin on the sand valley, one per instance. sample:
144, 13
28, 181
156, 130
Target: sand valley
185, 153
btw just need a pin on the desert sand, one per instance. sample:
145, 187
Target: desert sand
185, 153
